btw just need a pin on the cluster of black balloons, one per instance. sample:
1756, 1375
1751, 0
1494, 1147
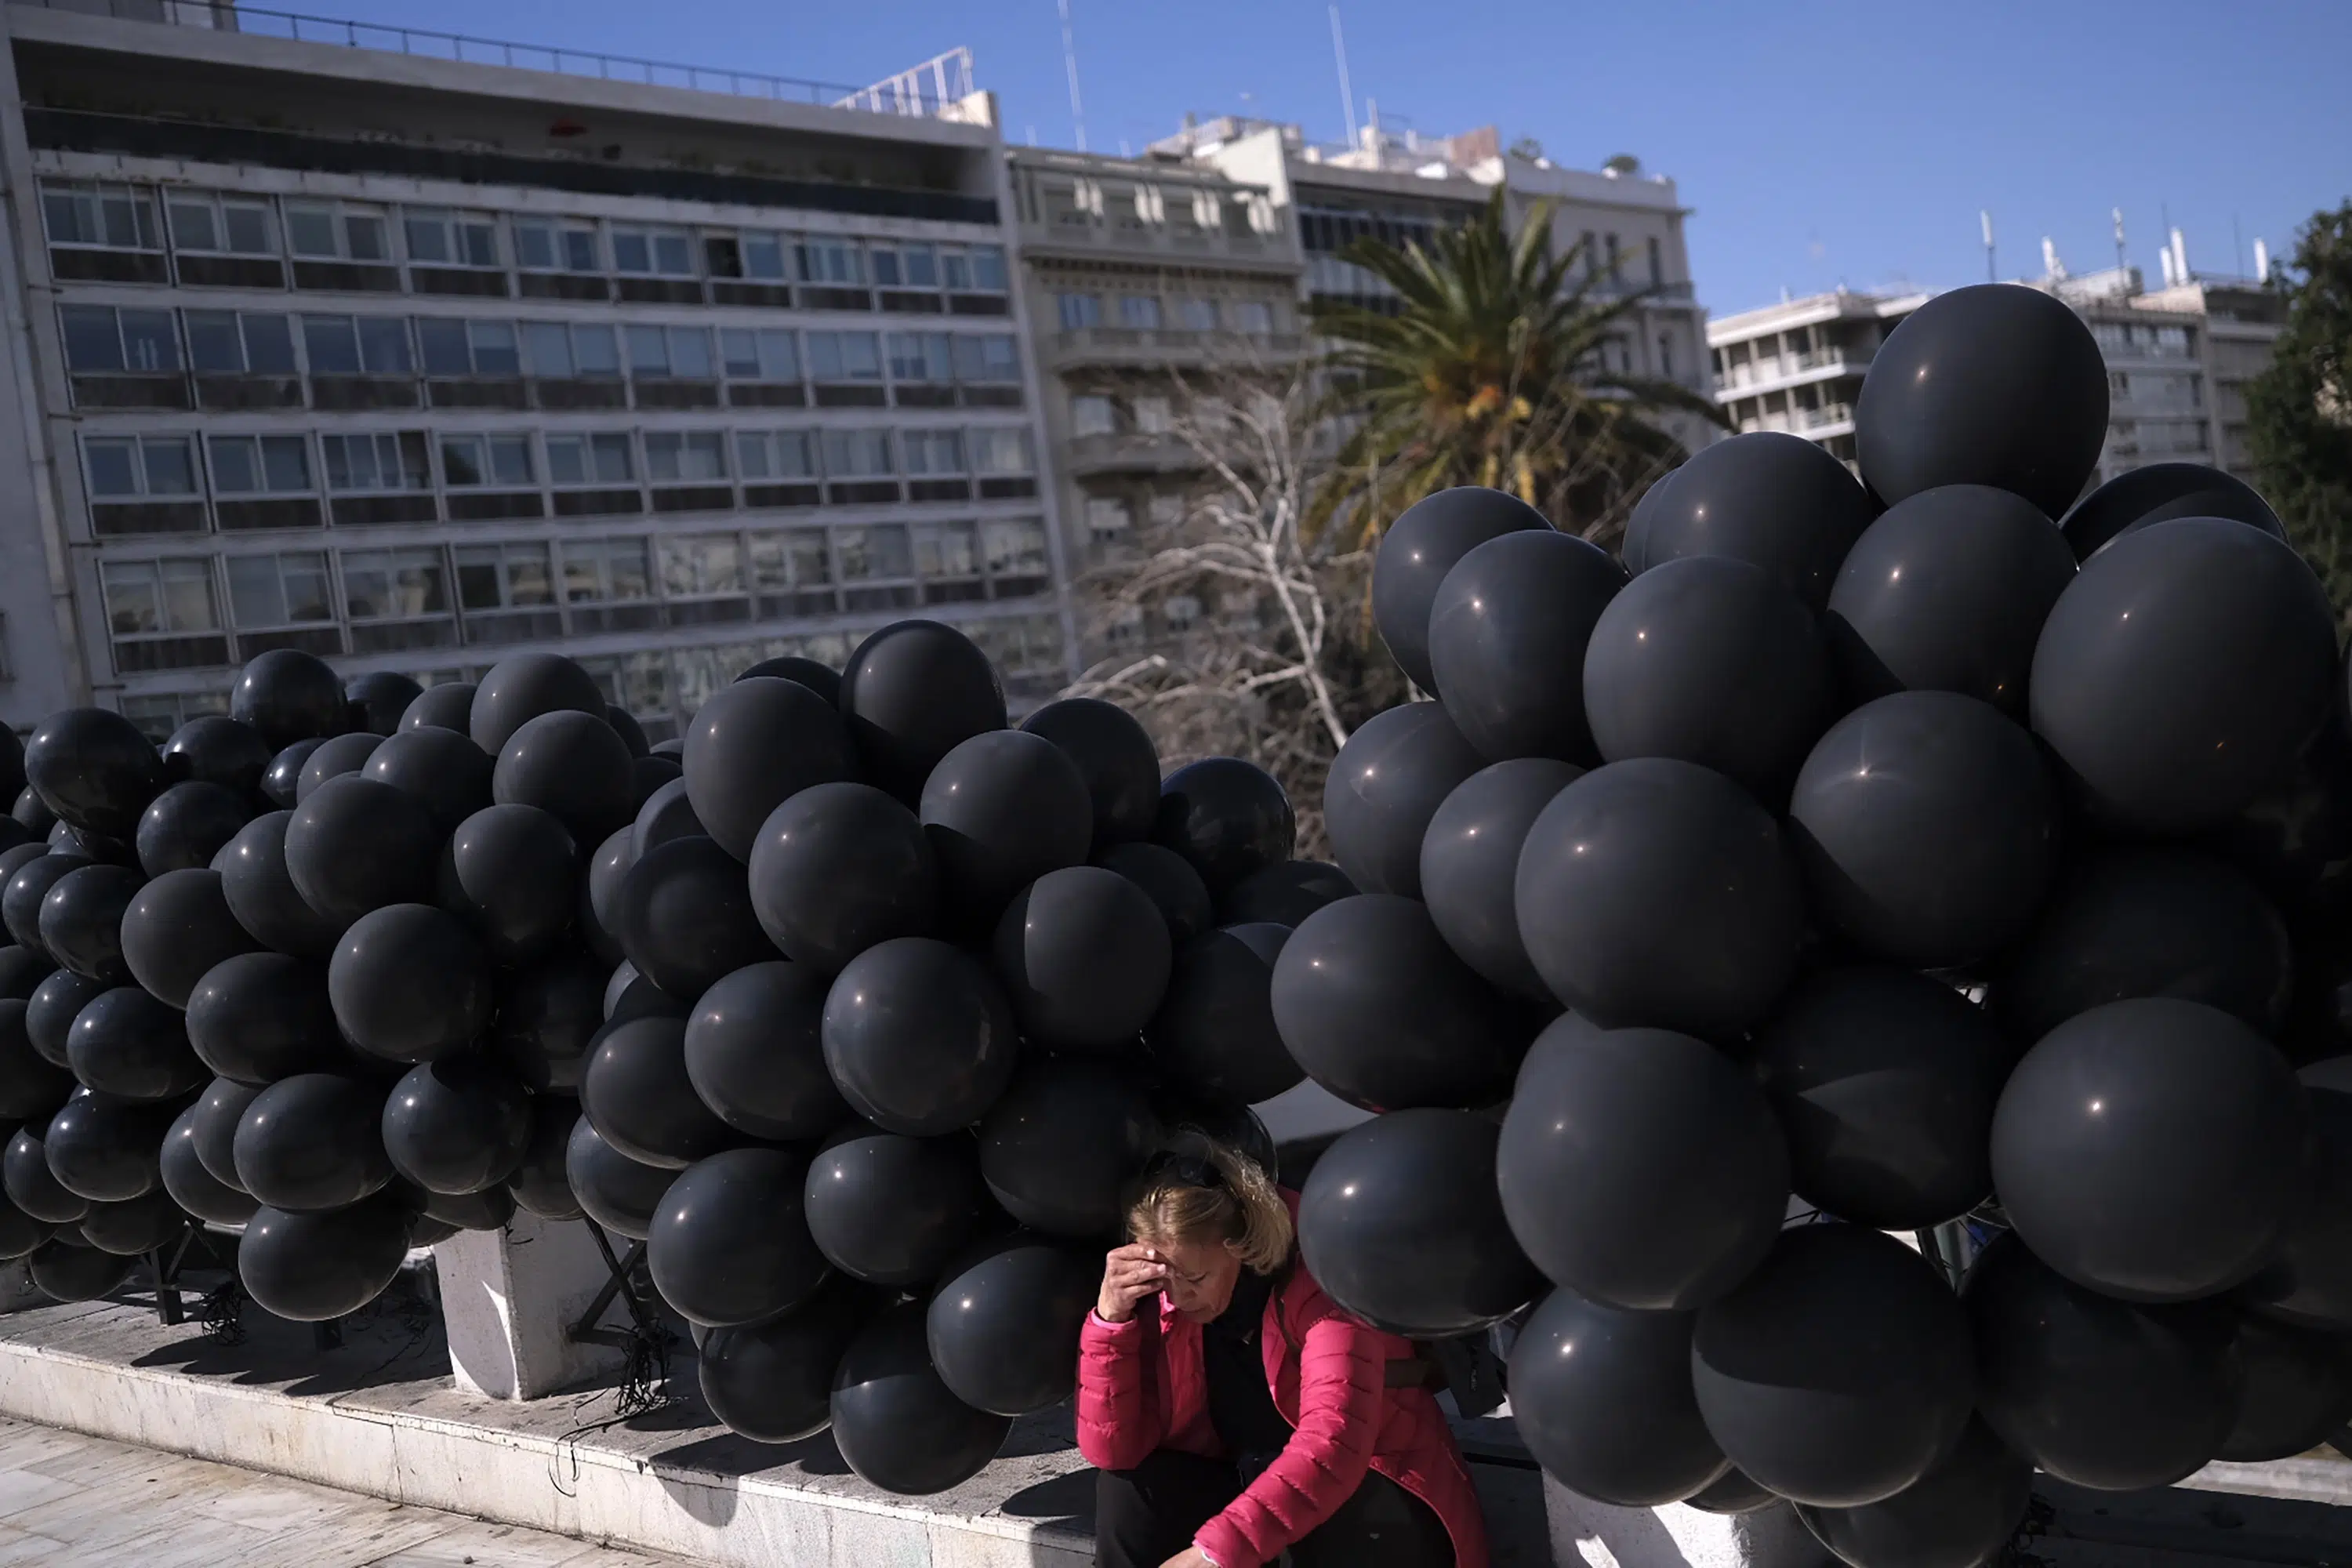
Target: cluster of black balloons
1889, 856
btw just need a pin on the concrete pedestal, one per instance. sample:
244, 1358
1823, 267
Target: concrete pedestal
1584, 1533
509, 1297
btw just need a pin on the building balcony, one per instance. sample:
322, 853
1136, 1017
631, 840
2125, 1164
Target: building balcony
1081, 234
1814, 423
1130, 452
1165, 347
1783, 370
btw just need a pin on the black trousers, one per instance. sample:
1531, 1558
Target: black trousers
1148, 1514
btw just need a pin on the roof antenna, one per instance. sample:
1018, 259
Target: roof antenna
1070, 59
1985, 215
1347, 93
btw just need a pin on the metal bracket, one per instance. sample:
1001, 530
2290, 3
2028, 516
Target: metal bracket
618, 1268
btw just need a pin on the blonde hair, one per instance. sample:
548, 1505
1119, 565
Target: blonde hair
1201, 1190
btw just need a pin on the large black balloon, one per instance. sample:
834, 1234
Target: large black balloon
2181, 672
346, 753
2140, 498
546, 1015
599, 916
665, 814
755, 1053
315, 1267
94, 769
1601, 1396
31, 812
512, 873
629, 994
686, 917
1385, 785
1506, 634
894, 1418
31, 1185
1709, 660
637, 1090
1060, 1147
212, 1123
261, 1017
262, 895
1003, 1324
177, 928
214, 748
187, 825
1928, 828
772, 1382
573, 765
281, 785
356, 845
21, 1234
312, 1142
23, 970
2098, 1392
2148, 921
68, 839
1990, 384
1227, 817
127, 1043
821, 678
1214, 1037
1948, 592
839, 868
448, 705
488, 1209
2309, 1281
28, 888
2151, 1149
1656, 892
134, 1226
911, 694
1400, 1224
1176, 890
104, 1148
2298, 1391
64, 1272
755, 745
1885, 1082
542, 1184
375, 701
1417, 551
446, 772
1115, 758
16, 857
730, 1244
30, 1085
1284, 893
1958, 1515
919, 1036
410, 983
620, 1194
458, 1125
289, 696
82, 921
633, 734
525, 686
646, 776
1640, 1168
1000, 810
892, 1210
2295, 841
1085, 958
1777, 501
1469, 867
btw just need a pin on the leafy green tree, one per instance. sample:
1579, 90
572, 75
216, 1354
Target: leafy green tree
2299, 410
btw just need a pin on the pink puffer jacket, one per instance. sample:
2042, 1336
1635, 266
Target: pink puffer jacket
1142, 1386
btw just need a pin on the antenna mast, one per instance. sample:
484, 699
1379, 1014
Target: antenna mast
1070, 59
1984, 216
1347, 93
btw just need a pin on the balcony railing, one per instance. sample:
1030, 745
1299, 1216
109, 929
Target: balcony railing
1132, 344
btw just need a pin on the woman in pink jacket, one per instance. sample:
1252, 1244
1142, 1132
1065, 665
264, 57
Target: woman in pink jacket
1233, 1411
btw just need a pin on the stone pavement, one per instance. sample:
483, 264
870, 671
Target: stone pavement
71, 1501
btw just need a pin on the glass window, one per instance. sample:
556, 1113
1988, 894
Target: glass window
766, 256
1004, 450
129, 467
832, 261
606, 569
987, 268
118, 217
669, 252
338, 231
237, 226
472, 461
259, 465
1138, 311
602, 459
597, 350
495, 352
444, 346
776, 454
933, 451
768, 354
947, 550
1195, 314
1254, 317
994, 358
648, 350
845, 356
1014, 546
1657, 262
1106, 516
1079, 311
794, 559
857, 454
215, 345
905, 265
1151, 416
685, 456
703, 564
503, 576
149, 342
549, 347
919, 357
877, 550
443, 238
689, 354
1091, 415
385, 461
285, 590
547, 245
101, 338
269, 343
167, 597
394, 584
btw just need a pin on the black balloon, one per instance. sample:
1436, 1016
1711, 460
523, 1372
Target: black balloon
1227, 817
30, 1085
1115, 758
1640, 1168
839, 868
21, 1234
1400, 1223
892, 1210
755, 745
637, 1090
94, 769
1417, 551
1948, 592
1777, 501
410, 983
895, 1420
772, 1382
262, 895
599, 916
31, 812
82, 921
64, 1272
919, 1036
2298, 1391
446, 706
1214, 1037
127, 1043
2151, 1149
187, 825
289, 696
821, 678
355, 845
1174, 887
755, 1053
261, 1017
629, 994
546, 1013
136, 1226
1284, 893
281, 785
215, 749
1603, 1398
457, 1126
315, 1267
2146, 921
1000, 810
488, 1209
1656, 892
1506, 632
1376, 1008
686, 917
512, 873
1060, 1147
1990, 384
376, 700
1710, 660
2140, 498
446, 773
23, 970
1003, 1325
104, 1148
177, 928
312, 1142
2309, 1282
31, 1185
649, 773
526, 685
911, 694
2181, 672
1885, 1082
345, 753
2097, 1391
1385, 785
2295, 841
1083, 956
542, 1184
66, 839
1469, 867
730, 1244
28, 887
633, 734
665, 814
573, 766
620, 1194
212, 1125
1958, 1515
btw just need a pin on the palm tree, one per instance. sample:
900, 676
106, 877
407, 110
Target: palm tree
1492, 369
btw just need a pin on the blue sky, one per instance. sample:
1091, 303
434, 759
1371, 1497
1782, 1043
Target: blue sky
1818, 143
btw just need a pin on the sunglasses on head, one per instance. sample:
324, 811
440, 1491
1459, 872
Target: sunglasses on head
1187, 1171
